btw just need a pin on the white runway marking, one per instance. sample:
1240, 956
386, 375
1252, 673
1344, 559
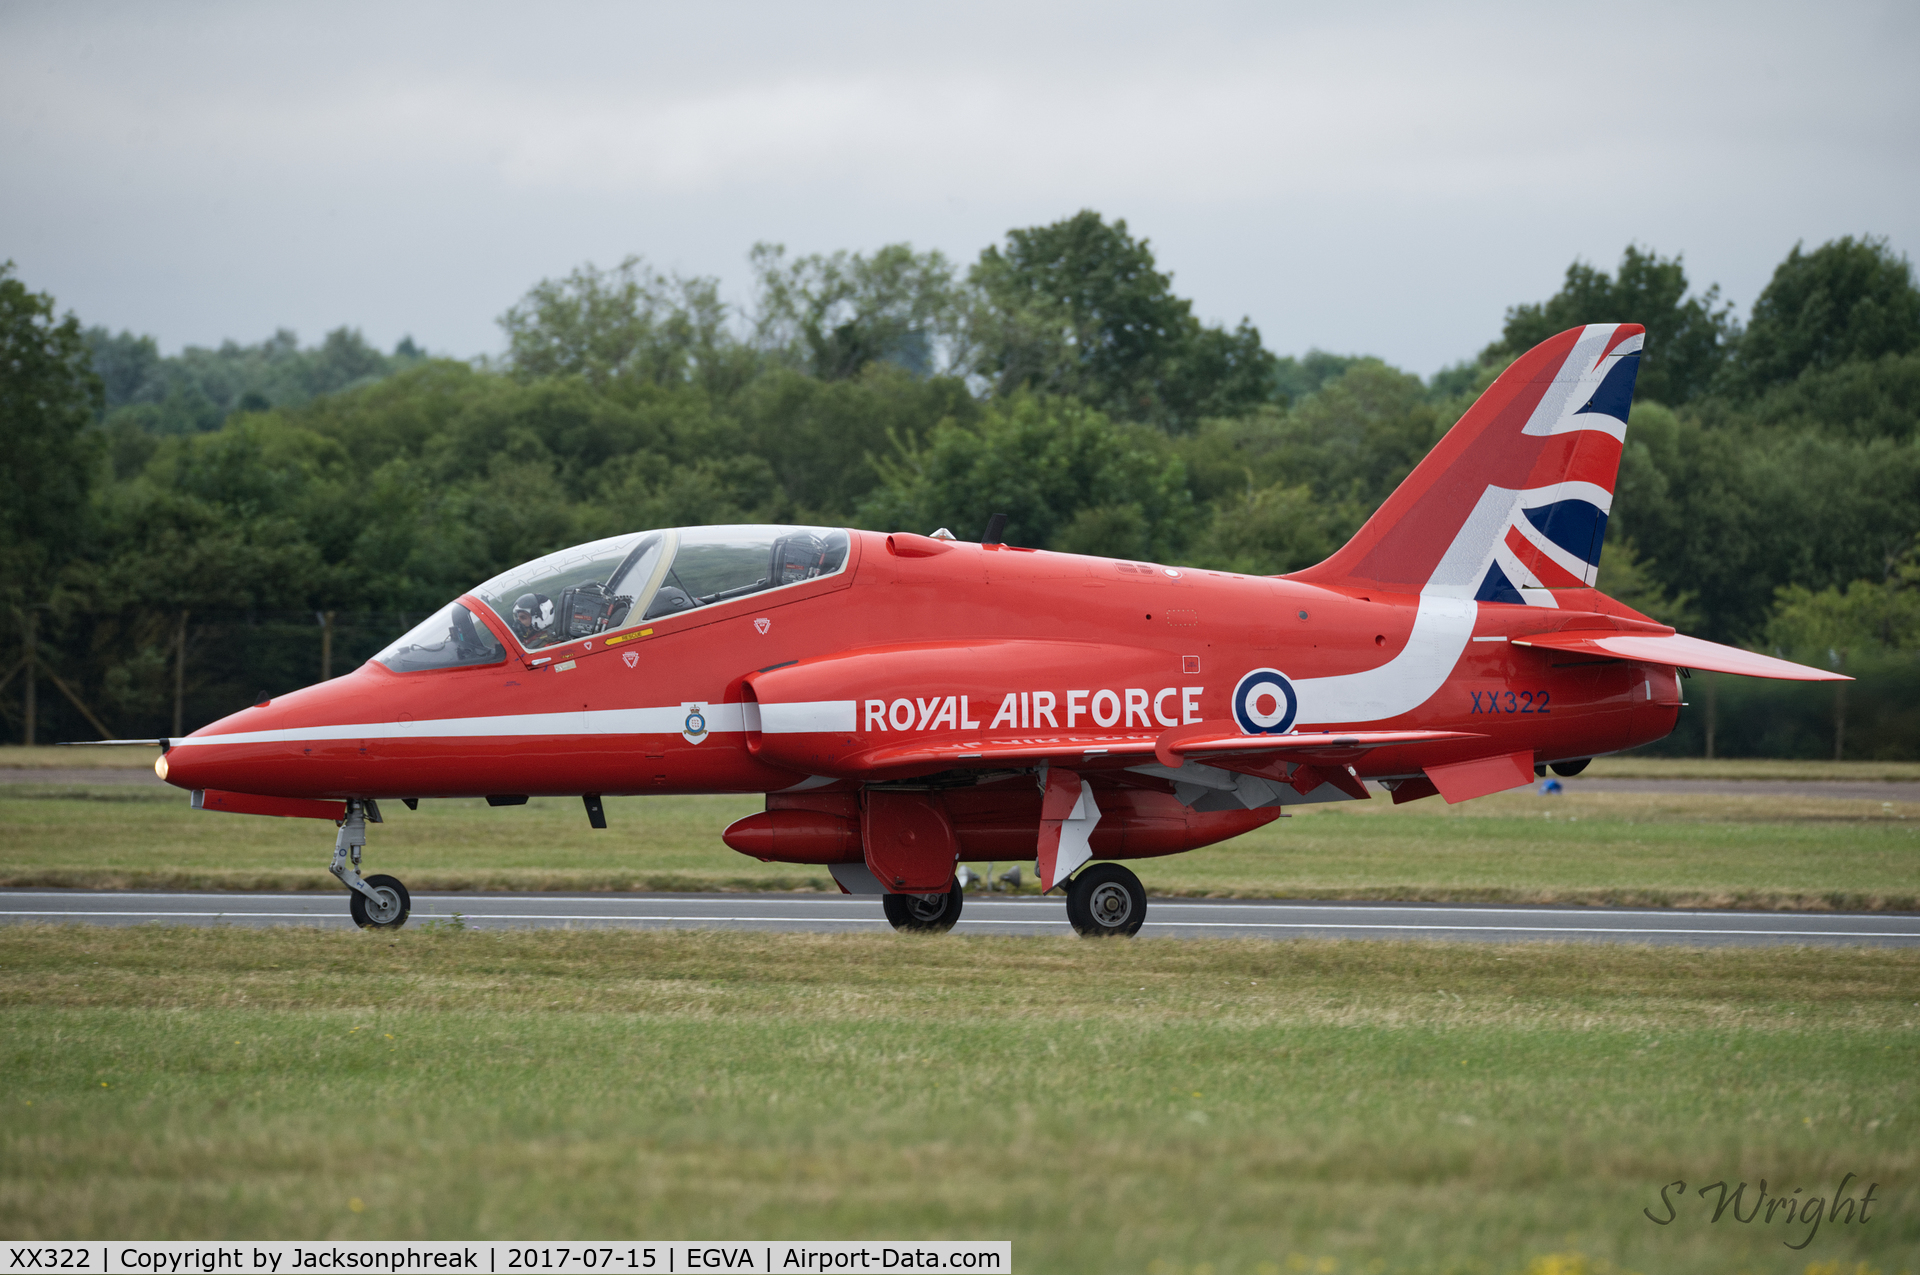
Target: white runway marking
1166, 918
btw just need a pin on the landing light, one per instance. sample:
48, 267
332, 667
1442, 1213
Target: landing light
160, 765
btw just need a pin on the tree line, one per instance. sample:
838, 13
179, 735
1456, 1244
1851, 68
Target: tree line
260, 509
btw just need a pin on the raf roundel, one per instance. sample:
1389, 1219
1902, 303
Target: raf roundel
1264, 702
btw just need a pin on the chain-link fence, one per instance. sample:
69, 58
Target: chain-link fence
124, 675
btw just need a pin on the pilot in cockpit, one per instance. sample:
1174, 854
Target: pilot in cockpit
533, 620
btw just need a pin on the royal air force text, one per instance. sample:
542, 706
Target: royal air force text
1031, 710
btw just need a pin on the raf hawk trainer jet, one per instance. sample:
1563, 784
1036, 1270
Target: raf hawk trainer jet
906, 702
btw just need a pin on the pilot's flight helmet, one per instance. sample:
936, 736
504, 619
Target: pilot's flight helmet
534, 611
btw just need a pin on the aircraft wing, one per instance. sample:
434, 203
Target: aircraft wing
1214, 742
1679, 651
1074, 751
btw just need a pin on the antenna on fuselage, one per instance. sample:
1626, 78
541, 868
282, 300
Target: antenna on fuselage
996, 528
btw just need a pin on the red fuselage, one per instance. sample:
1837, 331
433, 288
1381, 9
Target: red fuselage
1090, 648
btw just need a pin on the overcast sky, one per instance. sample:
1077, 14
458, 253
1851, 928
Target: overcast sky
1362, 178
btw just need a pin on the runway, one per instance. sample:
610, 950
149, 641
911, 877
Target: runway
1166, 918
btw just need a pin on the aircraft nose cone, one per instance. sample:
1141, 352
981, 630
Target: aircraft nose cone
200, 761
290, 745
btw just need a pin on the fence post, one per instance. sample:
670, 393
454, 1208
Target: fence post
180, 676
31, 621
1713, 684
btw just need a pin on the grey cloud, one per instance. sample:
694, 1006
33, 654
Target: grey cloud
1385, 178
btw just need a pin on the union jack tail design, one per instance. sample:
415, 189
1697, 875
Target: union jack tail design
1512, 504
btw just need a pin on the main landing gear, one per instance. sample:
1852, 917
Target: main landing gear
924, 913
377, 902
1106, 901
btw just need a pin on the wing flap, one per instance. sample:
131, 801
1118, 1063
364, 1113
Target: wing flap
1481, 777
1680, 651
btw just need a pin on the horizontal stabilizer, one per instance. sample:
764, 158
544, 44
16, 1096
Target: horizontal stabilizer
1679, 651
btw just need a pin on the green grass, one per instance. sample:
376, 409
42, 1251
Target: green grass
53, 757
1150, 1106
149, 838
1625, 848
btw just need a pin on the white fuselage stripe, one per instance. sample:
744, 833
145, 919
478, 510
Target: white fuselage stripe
1441, 628
721, 719
818, 716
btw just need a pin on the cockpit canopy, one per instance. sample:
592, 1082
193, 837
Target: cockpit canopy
608, 585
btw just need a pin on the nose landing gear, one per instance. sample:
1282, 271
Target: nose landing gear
377, 902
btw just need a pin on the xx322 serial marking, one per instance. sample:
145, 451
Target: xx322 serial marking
1510, 701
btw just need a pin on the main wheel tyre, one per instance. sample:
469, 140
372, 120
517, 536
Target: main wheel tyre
927, 913
387, 910
1106, 901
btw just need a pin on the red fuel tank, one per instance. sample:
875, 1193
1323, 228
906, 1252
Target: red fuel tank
992, 821
796, 836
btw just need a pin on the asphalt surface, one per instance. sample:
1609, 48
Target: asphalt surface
1166, 918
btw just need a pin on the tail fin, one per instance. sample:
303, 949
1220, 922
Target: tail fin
1513, 502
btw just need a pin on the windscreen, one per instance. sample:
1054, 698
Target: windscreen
449, 638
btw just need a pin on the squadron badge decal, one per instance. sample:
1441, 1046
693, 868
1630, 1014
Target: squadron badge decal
694, 729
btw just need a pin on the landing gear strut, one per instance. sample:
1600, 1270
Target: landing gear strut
378, 902
926, 913
1106, 901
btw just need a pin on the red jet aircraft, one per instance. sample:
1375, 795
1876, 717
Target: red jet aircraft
906, 702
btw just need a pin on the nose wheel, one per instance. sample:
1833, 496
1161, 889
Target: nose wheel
1106, 901
383, 907
377, 902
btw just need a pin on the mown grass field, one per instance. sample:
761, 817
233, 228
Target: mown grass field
1664, 849
1155, 1106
